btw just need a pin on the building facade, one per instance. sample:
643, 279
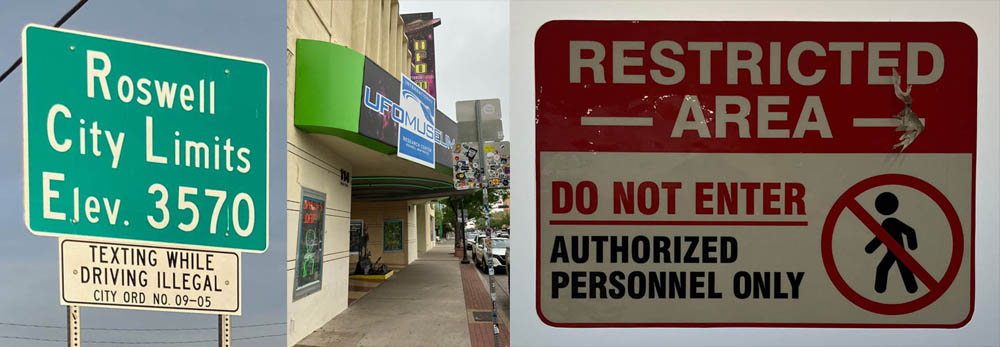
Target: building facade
346, 63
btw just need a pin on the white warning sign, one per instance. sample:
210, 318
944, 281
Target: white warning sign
129, 276
755, 174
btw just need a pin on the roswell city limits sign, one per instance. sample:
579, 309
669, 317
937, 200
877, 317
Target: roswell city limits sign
138, 141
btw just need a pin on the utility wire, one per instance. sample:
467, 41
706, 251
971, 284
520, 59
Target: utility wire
30, 338
181, 329
62, 20
135, 329
138, 342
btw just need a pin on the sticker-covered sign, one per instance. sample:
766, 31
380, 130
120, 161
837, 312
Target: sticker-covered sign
465, 166
467, 169
141, 277
497, 164
138, 141
755, 174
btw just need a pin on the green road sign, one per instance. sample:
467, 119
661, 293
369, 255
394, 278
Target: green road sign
138, 141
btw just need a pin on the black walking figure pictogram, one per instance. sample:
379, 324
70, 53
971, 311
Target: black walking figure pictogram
886, 204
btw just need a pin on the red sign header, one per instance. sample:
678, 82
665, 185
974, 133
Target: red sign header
770, 87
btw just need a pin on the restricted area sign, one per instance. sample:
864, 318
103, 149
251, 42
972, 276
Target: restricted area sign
755, 174
138, 141
130, 276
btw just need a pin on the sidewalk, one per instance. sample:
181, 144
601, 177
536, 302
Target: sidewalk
421, 305
435, 301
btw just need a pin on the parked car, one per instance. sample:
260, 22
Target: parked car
470, 240
498, 257
477, 247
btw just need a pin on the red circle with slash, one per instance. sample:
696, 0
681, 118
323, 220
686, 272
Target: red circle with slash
936, 288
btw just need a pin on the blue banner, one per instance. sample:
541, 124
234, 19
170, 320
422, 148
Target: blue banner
416, 123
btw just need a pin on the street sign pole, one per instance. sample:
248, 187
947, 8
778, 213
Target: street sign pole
73, 325
488, 258
225, 328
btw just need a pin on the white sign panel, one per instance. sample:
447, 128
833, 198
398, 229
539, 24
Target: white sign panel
139, 277
489, 120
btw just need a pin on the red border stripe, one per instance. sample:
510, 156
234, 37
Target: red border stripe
681, 222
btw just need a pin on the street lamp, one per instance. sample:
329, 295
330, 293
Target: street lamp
463, 218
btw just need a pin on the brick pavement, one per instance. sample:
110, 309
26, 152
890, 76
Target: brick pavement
477, 298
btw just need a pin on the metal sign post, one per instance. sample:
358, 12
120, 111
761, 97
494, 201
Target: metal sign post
488, 258
73, 325
225, 328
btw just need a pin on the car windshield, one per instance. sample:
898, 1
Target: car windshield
470, 236
501, 243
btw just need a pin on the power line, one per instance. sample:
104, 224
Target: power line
30, 338
183, 329
138, 342
33, 325
136, 329
62, 20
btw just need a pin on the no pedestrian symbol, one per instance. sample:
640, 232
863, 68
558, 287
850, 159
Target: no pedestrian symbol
896, 252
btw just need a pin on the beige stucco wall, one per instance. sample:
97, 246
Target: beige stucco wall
313, 167
372, 27
411, 234
425, 227
418, 235
374, 214
422, 238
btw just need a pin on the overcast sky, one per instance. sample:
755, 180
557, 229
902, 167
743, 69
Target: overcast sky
29, 292
472, 52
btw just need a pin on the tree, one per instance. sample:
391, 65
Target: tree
448, 215
473, 204
499, 219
